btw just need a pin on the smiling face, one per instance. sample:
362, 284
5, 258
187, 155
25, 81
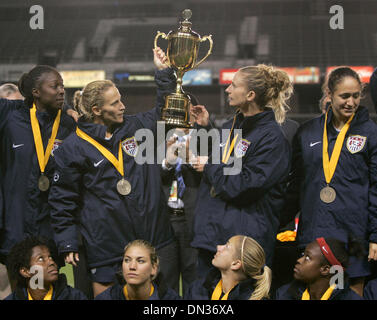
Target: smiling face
346, 98
137, 266
112, 110
49, 92
41, 260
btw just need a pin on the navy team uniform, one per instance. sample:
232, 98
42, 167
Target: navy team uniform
202, 288
247, 203
84, 197
354, 211
160, 292
25, 207
295, 290
61, 291
370, 290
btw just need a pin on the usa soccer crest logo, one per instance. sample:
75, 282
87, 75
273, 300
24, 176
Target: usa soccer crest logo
356, 143
130, 146
241, 148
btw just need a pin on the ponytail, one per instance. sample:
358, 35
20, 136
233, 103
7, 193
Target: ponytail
76, 101
253, 265
272, 88
263, 285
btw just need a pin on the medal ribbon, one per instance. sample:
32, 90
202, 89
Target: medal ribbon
326, 295
125, 291
218, 290
329, 166
48, 296
117, 163
43, 157
226, 152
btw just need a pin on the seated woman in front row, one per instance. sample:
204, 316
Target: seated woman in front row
35, 274
140, 279
240, 273
313, 273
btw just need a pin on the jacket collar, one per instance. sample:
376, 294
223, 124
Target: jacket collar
59, 286
297, 288
242, 291
361, 115
98, 131
250, 122
160, 288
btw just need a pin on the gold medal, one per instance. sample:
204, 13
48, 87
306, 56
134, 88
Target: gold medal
43, 156
327, 194
43, 183
123, 187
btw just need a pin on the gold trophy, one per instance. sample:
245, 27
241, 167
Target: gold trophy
182, 52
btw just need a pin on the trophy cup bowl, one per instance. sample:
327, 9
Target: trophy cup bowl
182, 53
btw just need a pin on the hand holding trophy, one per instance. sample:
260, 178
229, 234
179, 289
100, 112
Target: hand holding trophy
182, 53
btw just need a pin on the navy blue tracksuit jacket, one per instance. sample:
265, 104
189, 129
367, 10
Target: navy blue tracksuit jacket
354, 211
370, 290
84, 197
61, 291
247, 203
202, 288
25, 207
295, 290
161, 292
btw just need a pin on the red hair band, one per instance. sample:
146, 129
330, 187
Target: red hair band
328, 253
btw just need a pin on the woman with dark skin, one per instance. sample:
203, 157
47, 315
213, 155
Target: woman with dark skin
31, 130
333, 179
313, 273
32, 267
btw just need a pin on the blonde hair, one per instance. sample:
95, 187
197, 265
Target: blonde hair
253, 261
272, 88
92, 95
155, 260
7, 89
76, 100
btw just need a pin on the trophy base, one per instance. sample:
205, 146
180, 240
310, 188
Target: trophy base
175, 113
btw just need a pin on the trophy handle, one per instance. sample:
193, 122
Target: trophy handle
209, 38
164, 36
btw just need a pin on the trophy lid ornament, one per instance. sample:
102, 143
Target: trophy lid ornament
182, 54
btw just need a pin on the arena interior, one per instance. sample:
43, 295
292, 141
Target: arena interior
114, 38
